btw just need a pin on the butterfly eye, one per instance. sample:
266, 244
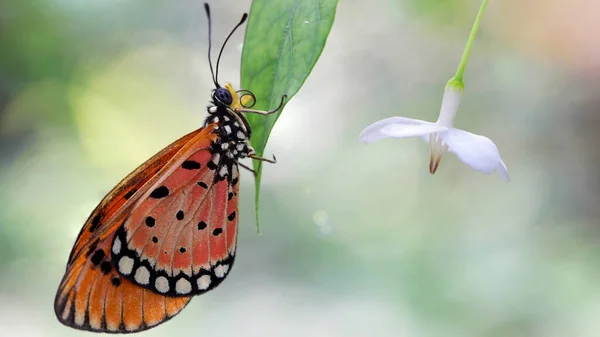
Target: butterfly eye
222, 95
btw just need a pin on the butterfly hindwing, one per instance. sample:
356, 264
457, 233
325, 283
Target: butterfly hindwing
180, 238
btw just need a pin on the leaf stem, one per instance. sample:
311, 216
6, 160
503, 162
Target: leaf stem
457, 80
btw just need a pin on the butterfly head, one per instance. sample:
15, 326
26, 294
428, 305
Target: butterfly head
226, 100
235, 100
222, 96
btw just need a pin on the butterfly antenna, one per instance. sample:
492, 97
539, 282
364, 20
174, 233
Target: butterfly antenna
207, 9
244, 17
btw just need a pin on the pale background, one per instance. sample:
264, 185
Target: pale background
357, 240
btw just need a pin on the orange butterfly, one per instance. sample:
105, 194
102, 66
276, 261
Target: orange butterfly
168, 230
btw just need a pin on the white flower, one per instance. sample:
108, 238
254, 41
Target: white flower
476, 151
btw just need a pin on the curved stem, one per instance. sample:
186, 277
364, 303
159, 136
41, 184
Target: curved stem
457, 79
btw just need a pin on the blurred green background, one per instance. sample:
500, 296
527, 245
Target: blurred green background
357, 240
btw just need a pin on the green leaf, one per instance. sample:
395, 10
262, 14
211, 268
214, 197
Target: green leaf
284, 40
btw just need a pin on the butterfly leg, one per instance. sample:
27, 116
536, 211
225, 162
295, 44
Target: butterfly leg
252, 154
247, 168
272, 161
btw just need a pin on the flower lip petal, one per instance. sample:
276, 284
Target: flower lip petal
398, 127
476, 151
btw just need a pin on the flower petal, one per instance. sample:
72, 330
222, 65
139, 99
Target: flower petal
398, 127
476, 151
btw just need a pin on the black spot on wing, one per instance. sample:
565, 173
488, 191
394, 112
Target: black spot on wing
150, 222
95, 223
97, 257
211, 165
92, 247
231, 216
116, 281
217, 231
202, 184
201, 225
160, 192
179, 215
130, 194
105, 267
190, 165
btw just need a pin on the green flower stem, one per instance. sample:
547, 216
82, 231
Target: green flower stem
457, 80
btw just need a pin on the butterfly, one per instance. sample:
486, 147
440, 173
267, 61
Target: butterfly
167, 231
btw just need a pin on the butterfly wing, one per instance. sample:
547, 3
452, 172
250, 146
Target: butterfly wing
180, 238
92, 295
125, 190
